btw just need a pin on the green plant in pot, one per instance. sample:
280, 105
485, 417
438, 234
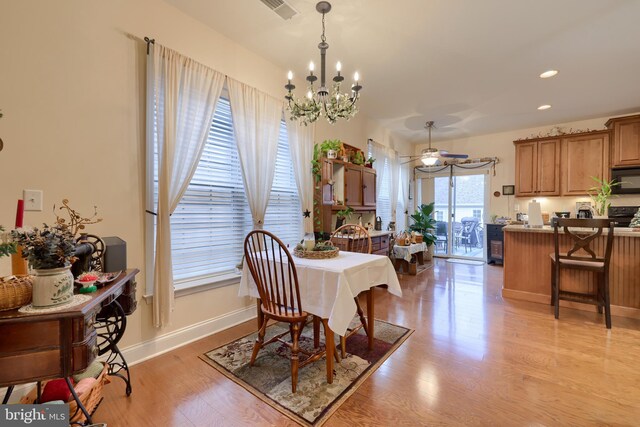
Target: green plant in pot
7, 247
330, 148
600, 194
370, 162
358, 158
342, 215
49, 251
424, 223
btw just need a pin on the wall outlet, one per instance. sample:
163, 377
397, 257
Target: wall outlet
32, 200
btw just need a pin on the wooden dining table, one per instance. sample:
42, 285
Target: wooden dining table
328, 288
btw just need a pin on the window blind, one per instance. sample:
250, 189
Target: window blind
213, 217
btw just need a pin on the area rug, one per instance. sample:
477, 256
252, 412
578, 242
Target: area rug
464, 261
314, 401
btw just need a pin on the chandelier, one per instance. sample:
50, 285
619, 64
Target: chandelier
430, 155
332, 104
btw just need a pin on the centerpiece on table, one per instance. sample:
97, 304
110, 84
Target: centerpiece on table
321, 250
49, 251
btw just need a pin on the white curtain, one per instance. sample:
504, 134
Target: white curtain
379, 152
256, 123
301, 148
394, 179
181, 99
405, 177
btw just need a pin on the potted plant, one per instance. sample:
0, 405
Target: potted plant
358, 158
424, 223
635, 222
369, 163
600, 194
342, 215
330, 148
49, 251
7, 247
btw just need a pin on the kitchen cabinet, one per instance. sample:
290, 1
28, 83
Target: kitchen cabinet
626, 141
584, 156
538, 167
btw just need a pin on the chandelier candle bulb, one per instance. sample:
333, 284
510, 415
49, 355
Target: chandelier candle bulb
290, 76
338, 67
312, 67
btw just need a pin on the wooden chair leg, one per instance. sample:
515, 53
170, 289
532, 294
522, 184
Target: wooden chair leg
607, 302
363, 320
556, 291
343, 347
600, 292
295, 328
316, 332
553, 283
259, 340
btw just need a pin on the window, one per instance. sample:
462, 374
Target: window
477, 213
439, 216
209, 225
383, 200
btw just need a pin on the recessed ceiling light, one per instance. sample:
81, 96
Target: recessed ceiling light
544, 107
548, 73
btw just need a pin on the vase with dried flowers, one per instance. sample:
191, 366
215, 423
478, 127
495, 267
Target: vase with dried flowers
49, 251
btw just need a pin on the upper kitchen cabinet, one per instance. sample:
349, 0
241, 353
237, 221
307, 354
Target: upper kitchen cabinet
537, 167
626, 141
584, 156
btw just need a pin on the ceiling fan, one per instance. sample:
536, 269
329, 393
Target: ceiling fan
430, 156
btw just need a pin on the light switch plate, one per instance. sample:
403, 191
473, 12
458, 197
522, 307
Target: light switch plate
32, 200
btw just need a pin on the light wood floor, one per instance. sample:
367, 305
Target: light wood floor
474, 359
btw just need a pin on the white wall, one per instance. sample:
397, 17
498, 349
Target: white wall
501, 145
72, 90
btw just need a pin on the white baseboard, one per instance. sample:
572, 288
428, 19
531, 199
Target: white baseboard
149, 349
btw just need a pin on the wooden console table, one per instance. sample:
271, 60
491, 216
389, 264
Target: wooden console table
36, 347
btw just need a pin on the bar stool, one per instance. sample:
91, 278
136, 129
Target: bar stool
582, 240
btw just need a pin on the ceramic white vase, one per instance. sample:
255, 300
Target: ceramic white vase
52, 286
332, 154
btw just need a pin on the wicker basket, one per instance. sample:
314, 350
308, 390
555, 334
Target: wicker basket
301, 253
15, 291
90, 399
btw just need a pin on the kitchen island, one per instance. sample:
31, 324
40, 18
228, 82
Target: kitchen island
527, 268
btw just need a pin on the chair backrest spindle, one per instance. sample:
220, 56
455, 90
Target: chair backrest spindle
274, 273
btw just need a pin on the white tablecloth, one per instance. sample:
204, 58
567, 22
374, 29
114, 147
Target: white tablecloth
328, 286
405, 252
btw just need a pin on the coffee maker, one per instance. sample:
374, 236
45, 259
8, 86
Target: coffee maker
584, 213
583, 210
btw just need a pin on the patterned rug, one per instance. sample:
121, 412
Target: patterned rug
315, 400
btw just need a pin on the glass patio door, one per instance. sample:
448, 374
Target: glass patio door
459, 212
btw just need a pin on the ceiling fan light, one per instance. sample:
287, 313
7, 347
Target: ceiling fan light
429, 161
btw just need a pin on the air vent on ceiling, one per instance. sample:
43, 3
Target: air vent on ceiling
282, 8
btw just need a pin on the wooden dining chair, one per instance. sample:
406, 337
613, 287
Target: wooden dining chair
582, 257
358, 240
275, 276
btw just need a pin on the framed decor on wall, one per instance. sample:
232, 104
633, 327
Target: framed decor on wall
508, 190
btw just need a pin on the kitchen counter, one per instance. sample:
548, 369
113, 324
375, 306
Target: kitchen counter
527, 268
377, 233
622, 231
